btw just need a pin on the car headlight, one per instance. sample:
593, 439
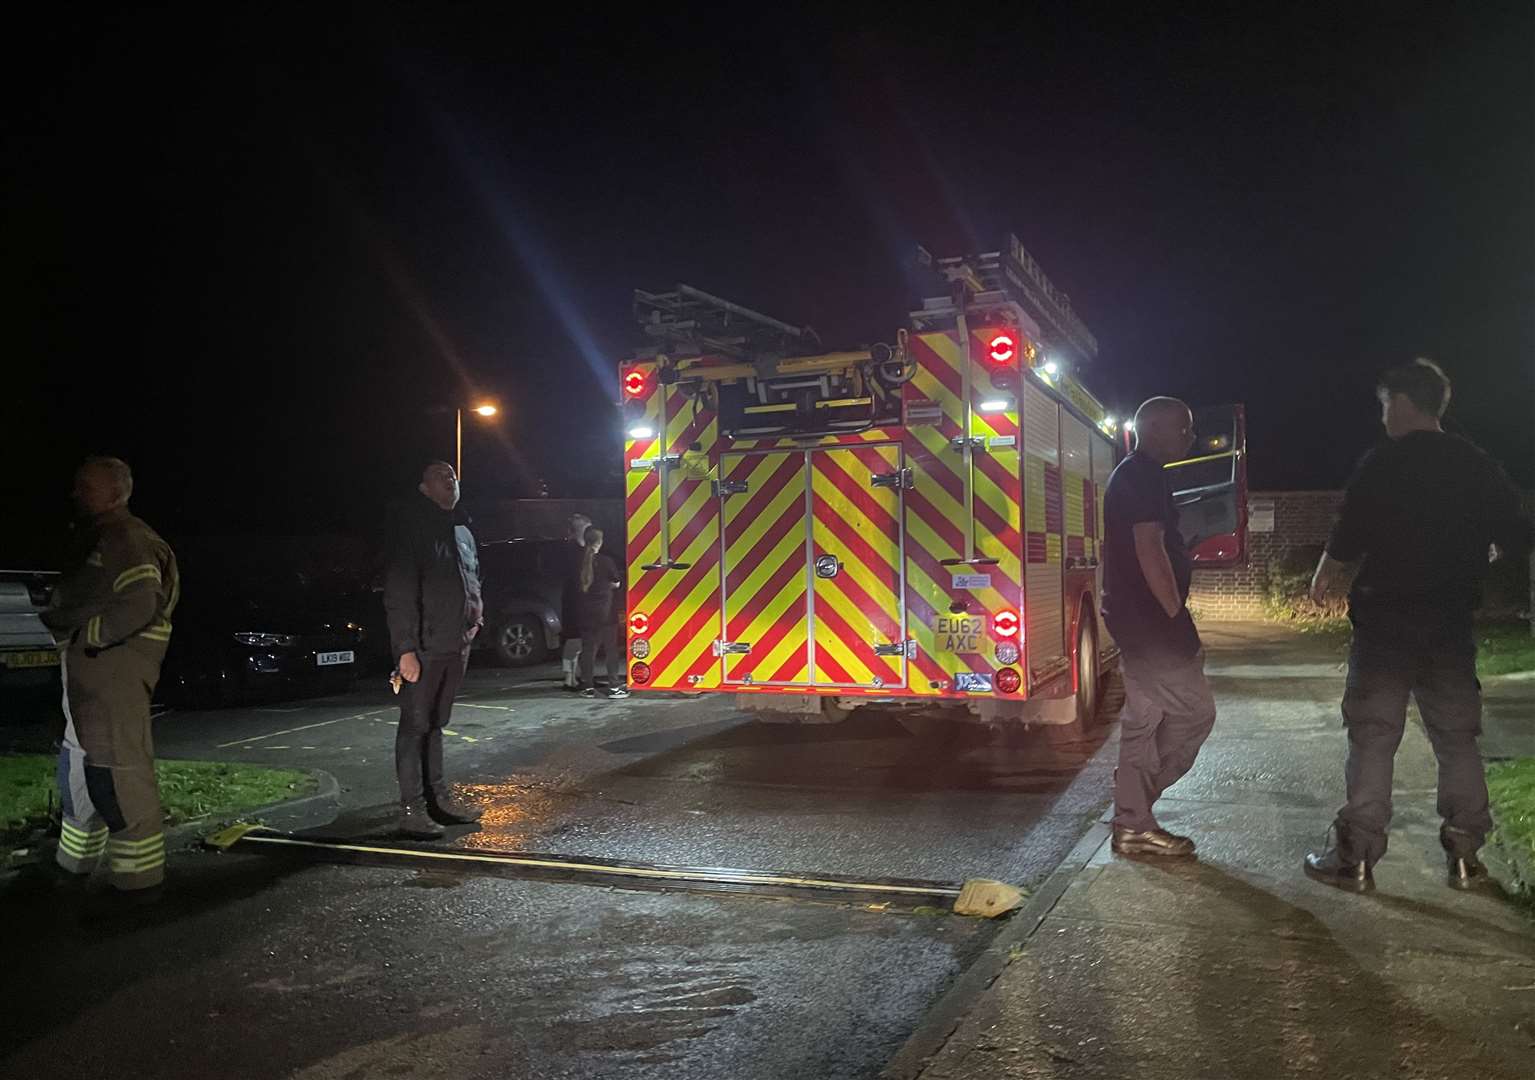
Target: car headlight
253, 637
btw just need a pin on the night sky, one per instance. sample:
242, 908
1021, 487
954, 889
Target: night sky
257, 250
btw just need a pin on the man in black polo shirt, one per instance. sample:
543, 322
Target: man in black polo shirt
1424, 512
1169, 710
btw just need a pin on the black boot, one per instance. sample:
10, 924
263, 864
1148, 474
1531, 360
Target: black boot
1466, 871
416, 822
1331, 868
446, 810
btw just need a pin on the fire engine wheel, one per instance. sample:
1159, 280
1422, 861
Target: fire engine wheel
1088, 675
519, 642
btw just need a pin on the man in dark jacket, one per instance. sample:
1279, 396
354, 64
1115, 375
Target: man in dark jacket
571, 554
432, 598
1425, 512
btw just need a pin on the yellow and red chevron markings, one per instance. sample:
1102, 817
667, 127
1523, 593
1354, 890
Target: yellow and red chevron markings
742, 605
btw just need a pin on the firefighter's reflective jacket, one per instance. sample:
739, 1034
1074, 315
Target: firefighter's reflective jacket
122, 596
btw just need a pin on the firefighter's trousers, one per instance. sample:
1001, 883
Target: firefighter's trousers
106, 769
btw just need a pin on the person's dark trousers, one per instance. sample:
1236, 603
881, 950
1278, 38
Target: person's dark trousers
1440, 673
605, 641
1167, 717
425, 706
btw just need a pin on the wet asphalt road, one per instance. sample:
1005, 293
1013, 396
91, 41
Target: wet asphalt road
261, 968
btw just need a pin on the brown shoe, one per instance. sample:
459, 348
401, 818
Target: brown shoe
1151, 842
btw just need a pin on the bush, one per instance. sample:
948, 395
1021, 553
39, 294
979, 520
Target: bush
1286, 592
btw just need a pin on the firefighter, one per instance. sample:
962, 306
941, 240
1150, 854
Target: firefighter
111, 617
1422, 515
432, 600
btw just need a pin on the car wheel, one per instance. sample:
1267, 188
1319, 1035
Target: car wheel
520, 642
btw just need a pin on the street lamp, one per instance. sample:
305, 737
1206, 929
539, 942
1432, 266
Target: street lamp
484, 409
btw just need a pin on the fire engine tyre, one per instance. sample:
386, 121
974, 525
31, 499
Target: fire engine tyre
1089, 674
519, 642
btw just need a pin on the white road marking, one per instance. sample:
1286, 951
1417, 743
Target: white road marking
475, 705
290, 731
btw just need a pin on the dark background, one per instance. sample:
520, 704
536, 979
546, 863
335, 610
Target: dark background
250, 249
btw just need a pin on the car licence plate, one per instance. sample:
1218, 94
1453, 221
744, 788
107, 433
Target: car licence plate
31, 658
327, 659
973, 682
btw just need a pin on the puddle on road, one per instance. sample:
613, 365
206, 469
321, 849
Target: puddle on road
654, 1012
514, 814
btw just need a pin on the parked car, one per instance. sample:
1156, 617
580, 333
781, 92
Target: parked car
252, 642
522, 582
28, 657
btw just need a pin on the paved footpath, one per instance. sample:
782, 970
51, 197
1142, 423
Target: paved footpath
1238, 966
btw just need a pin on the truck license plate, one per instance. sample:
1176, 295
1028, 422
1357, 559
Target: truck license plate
958, 633
326, 659
973, 682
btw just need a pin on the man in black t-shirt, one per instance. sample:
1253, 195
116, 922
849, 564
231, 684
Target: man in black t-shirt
1169, 709
1424, 512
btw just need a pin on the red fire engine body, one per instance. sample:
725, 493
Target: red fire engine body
917, 524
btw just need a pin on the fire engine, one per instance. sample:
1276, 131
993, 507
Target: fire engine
914, 524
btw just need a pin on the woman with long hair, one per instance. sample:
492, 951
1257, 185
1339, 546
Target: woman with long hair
599, 581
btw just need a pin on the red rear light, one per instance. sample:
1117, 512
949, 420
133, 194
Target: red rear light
635, 382
639, 624
639, 674
1004, 624
1002, 348
1008, 680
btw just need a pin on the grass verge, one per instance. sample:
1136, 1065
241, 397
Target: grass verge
1504, 648
190, 790
1511, 784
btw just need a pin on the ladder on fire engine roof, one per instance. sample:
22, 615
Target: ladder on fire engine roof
690, 320
1011, 277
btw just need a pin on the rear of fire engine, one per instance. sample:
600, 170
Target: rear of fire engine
916, 524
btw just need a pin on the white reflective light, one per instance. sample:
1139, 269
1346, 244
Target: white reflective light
642, 432
1129, 425
996, 405
1110, 422
1052, 369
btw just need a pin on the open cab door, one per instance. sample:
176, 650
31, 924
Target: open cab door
1210, 488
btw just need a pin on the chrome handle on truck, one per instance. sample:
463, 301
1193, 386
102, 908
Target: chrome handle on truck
900, 480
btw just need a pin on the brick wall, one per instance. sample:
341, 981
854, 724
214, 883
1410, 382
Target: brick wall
1301, 520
